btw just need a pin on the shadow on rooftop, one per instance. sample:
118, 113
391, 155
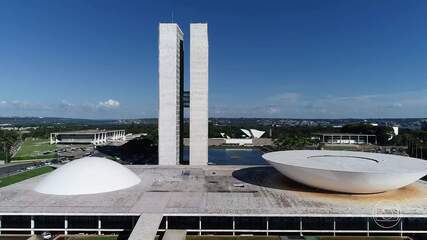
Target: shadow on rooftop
270, 178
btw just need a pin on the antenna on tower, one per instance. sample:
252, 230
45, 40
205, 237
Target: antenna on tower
172, 16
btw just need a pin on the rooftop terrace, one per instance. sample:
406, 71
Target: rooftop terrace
212, 190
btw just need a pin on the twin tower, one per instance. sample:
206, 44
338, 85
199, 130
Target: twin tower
173, 99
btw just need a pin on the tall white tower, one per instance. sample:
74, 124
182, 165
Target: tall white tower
170, 90
199, 86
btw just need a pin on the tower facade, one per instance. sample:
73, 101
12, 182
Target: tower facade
199, 89
171, 76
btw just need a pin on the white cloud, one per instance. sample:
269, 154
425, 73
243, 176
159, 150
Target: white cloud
110, 104
64, 108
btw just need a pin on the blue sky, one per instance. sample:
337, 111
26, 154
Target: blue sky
290, 59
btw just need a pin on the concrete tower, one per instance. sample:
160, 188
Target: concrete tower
171, 72
199, 85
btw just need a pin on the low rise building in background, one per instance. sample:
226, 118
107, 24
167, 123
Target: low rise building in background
94, 137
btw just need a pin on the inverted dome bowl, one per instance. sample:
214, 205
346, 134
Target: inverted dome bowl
87, 175
347, 171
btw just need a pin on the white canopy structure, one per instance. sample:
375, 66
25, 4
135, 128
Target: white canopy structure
257, 133
346, 171
246, 132
253, 133
87, 175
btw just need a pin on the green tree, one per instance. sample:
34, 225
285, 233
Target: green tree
7, 139
292, 141
383, 133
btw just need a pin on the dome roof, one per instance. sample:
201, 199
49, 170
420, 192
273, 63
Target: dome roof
87, 175
346, 171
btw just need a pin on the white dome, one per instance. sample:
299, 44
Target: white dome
87, 175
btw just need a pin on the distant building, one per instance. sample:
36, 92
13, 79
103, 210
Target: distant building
424, 125
94, 137
251, 136
346, 138
396, 130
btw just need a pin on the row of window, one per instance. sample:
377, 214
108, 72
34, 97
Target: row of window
221, 223
293, 223
107, 222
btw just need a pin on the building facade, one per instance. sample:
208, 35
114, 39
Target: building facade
199, 88
95, 137
171, 76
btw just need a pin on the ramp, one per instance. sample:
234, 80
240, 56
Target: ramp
146, 227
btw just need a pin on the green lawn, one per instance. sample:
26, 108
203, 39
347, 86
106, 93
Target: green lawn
189, 237
34, 148
5, 181
88, 238
278, 238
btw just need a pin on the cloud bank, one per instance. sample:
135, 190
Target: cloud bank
284, 105
104, 109
298, 105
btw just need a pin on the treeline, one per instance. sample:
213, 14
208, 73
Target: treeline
7, 140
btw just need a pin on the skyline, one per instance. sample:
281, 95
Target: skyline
293, 59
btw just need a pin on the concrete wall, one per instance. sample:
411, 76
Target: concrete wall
199, 79
169, 99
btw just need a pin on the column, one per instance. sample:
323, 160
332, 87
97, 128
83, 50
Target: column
335, 226
300, 227
200, 226
234, 226
65, 225
32, 225
99, 225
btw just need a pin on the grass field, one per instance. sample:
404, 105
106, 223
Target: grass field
87, 238
5, 181
278, 238
232, 238
34, 148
